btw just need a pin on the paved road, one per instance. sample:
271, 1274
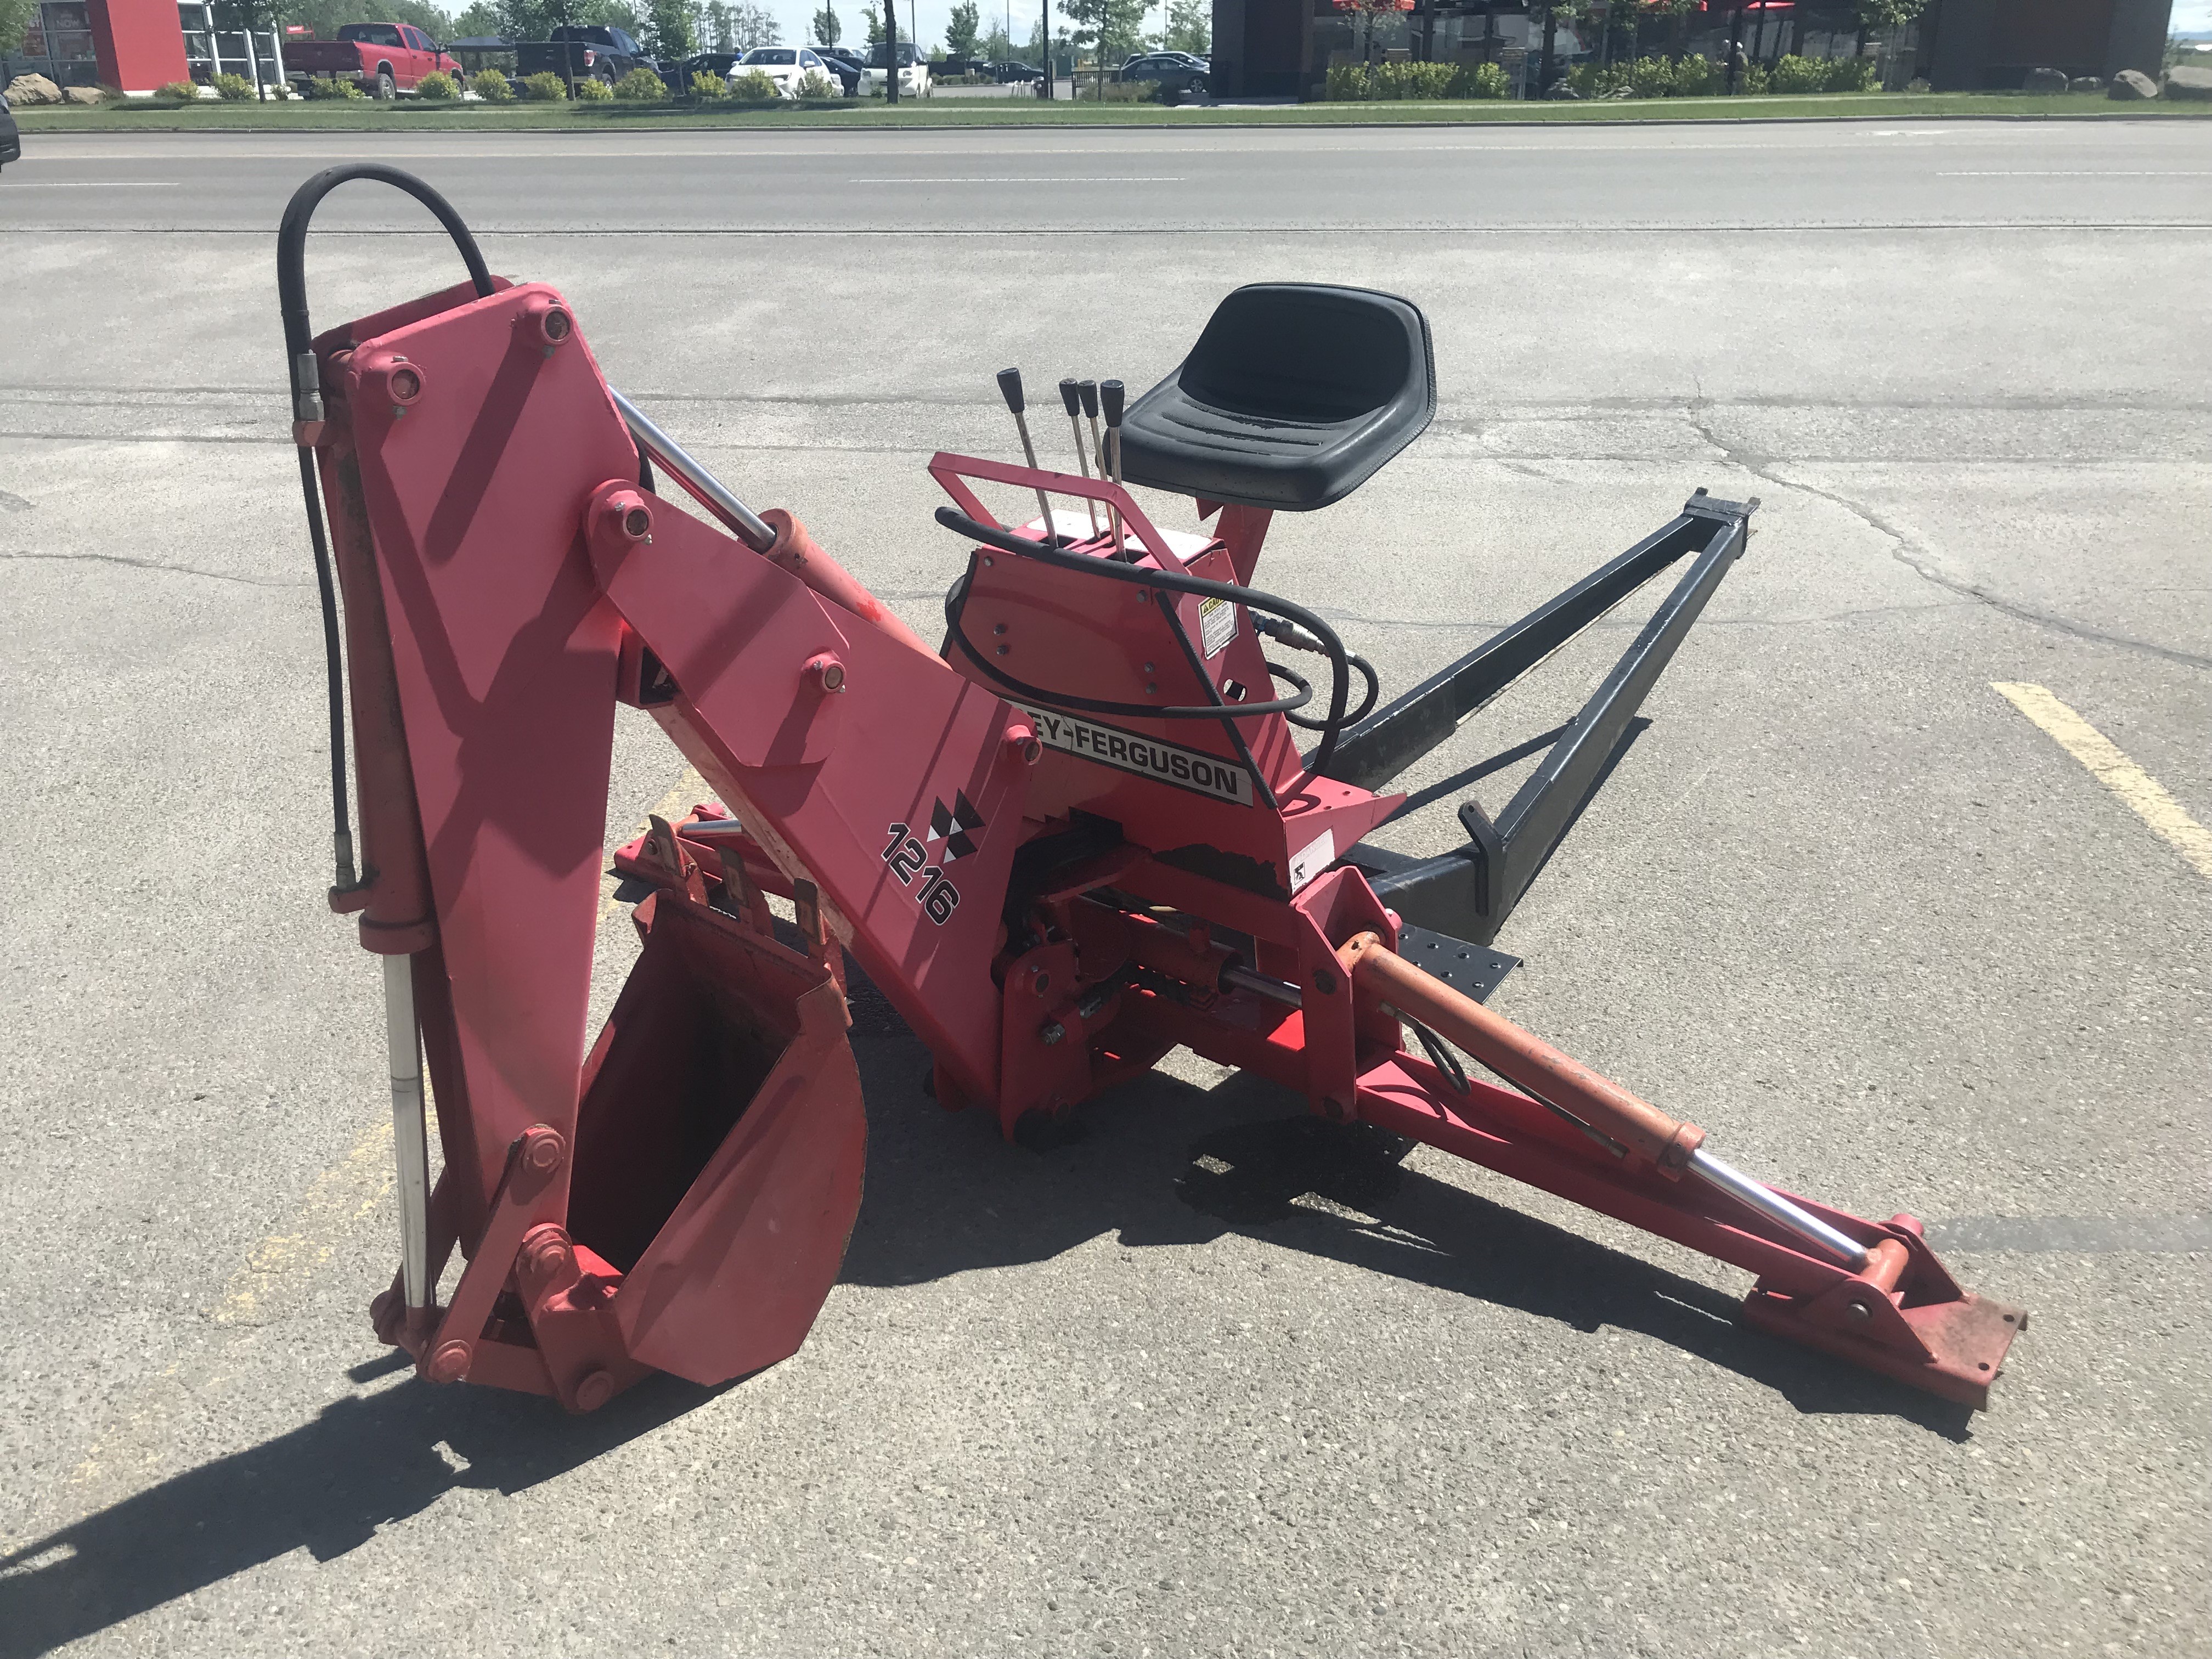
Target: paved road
1841, 901
1316, 178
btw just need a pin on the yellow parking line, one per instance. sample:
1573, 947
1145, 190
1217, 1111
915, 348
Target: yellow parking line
2138, 791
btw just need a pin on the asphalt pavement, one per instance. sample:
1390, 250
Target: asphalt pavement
1841, 901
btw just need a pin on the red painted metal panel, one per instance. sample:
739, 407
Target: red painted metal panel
139, 45
504, 654
920, 906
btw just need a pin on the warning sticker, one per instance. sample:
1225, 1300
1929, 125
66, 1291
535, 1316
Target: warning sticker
1312, 860
1216, 625
1148, 757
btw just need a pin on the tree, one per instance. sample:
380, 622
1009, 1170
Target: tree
1367, 11
827, 28
1109, 27
753, 26
875, 22
667, 32
15, 23
998, 44
1890, 13
1190, 27
480, 22
960, 31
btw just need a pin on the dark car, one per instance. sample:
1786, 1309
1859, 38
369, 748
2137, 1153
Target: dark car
723, 63
841, 63
577, 51
11, 141
1174, 72
1010, 72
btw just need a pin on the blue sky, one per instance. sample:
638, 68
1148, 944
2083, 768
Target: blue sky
2192, 14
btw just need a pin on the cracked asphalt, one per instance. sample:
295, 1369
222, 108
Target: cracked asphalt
1839, 901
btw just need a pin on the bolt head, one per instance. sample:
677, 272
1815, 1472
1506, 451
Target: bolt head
450, 1364
826, 673
1859, 1312
1051, 1032
550, 1256
545, 1152
405, 384
557, 326
595, 1390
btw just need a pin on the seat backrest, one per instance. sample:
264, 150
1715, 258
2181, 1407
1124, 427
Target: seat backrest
1309, 351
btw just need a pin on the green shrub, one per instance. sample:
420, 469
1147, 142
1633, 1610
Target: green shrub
589, 89
1851, 75
1482, 80
815, 84
708, 86
1698, 77
1653, 77
641, 86
753, 87
1593, 81
1348, 83
438, 87
182, 91
232, 88
494, 87
321, 87
1754, 81
1794, 74
1414, 81
543, 88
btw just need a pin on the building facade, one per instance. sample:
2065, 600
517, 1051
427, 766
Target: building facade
136, 46
1283, 48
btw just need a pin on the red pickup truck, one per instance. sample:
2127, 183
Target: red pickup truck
385, 59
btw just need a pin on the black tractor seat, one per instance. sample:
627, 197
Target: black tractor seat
1294, 396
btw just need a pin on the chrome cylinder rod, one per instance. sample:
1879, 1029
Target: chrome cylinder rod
751, 529
411, 1135
1234, 978
1778, 1209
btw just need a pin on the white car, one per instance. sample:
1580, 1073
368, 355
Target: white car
787, 66
914, 71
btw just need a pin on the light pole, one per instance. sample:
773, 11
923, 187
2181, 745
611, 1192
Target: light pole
1048, 48
890, 52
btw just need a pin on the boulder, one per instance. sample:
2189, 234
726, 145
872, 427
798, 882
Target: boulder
2045, 81
2131, 84
82, 95
32, 89
2189, 83
2086, 83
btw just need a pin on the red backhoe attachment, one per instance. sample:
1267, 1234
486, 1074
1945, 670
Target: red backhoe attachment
1082, 835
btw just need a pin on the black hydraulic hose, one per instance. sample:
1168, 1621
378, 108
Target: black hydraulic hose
308, 408
1366, 671
955, 601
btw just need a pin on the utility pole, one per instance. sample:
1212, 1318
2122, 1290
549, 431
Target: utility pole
890, 52
1048, 48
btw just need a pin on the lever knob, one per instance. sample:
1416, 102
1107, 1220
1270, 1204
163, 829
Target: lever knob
1010, 388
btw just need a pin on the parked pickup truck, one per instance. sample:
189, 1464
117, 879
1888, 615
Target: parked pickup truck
579, 51
384, 59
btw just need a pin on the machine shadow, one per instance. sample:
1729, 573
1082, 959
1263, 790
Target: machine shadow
1163, 1162
326, 1487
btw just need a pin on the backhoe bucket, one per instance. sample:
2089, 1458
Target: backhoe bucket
709, 1193
719, 1146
